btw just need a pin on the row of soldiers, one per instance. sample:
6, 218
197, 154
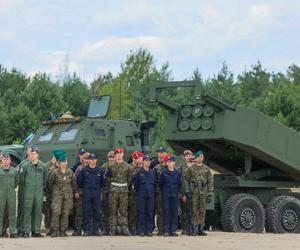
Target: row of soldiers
127, 195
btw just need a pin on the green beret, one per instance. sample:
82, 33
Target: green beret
198, 153
61, 155
56, 152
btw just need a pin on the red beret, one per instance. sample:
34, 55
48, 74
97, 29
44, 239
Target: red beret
119, 150
165, 157
137, 154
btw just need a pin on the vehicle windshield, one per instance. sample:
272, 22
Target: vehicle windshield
99, 107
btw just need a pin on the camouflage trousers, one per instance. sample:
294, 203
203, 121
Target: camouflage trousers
198, 208
46, 210
159, 212
184, 207
60, 208
105, 210
132, 211
78, 213
20, 211
119, 203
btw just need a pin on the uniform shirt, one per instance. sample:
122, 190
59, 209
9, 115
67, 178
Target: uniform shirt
33, 176
91, 179
78, 169
134, 171
198, 180
120, 173
105, 167
62, 184
183, 168
158, 168
170, 182
145, 182
9, 179
75, 166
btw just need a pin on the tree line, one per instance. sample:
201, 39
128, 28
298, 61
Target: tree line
25, 101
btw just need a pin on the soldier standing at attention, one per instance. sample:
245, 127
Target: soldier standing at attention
20, 209
5, 216
33, 177
137, 164
170, 185
144, 184
105, 193
50, 166
199, 185
161, 153
91, 180
78, 198
62, 185
120, 176
188, 156
8, 183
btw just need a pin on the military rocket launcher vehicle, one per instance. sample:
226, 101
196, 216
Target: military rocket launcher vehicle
256, 158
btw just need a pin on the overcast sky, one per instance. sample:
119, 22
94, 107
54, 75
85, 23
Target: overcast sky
94, 36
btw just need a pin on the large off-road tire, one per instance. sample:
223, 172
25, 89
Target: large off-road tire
243, 213
283, 215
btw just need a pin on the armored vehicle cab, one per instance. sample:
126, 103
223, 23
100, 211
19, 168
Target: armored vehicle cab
95, 133
257, 160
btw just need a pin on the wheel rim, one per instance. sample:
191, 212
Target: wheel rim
289, 219
247, 218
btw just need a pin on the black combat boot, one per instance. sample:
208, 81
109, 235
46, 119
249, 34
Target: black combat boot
98, 233
125, 231
112, 231
77, 232
36, 235
26, 235
54, 234
201, 230
132, 231
118, 230
13, 236
62, 234
195, 230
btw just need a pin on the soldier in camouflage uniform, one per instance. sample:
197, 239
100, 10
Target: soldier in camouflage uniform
5, 217
199, 186
137, 164
9, 180
105, 193
161, 153
188, 156
62, 183
78, 199
120, 176
50, 166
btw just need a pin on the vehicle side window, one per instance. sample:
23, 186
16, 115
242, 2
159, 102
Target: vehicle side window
99, 133
68, 135
46, 137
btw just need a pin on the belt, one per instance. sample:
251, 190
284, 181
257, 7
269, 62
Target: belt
119, 184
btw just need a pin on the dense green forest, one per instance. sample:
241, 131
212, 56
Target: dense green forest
25, 101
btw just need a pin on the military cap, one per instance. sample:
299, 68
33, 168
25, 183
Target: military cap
111, 154
5, 155
161, 150
86, 155
165, 157
56, 152
147, 158
61, 156
33, 148
198, 153
82, 151
119, 150
137, 154
171, 158
92, 156
187, 152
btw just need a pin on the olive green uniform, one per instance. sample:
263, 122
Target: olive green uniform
8, 182
105, 200
158, 200
5, 217
62, 188
132, 208
120, 179
78, 203
34, 180
198, 183
20, 209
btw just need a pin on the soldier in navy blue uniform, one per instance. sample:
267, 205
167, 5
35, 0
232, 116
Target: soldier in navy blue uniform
91, 180
170, 185
144, 184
